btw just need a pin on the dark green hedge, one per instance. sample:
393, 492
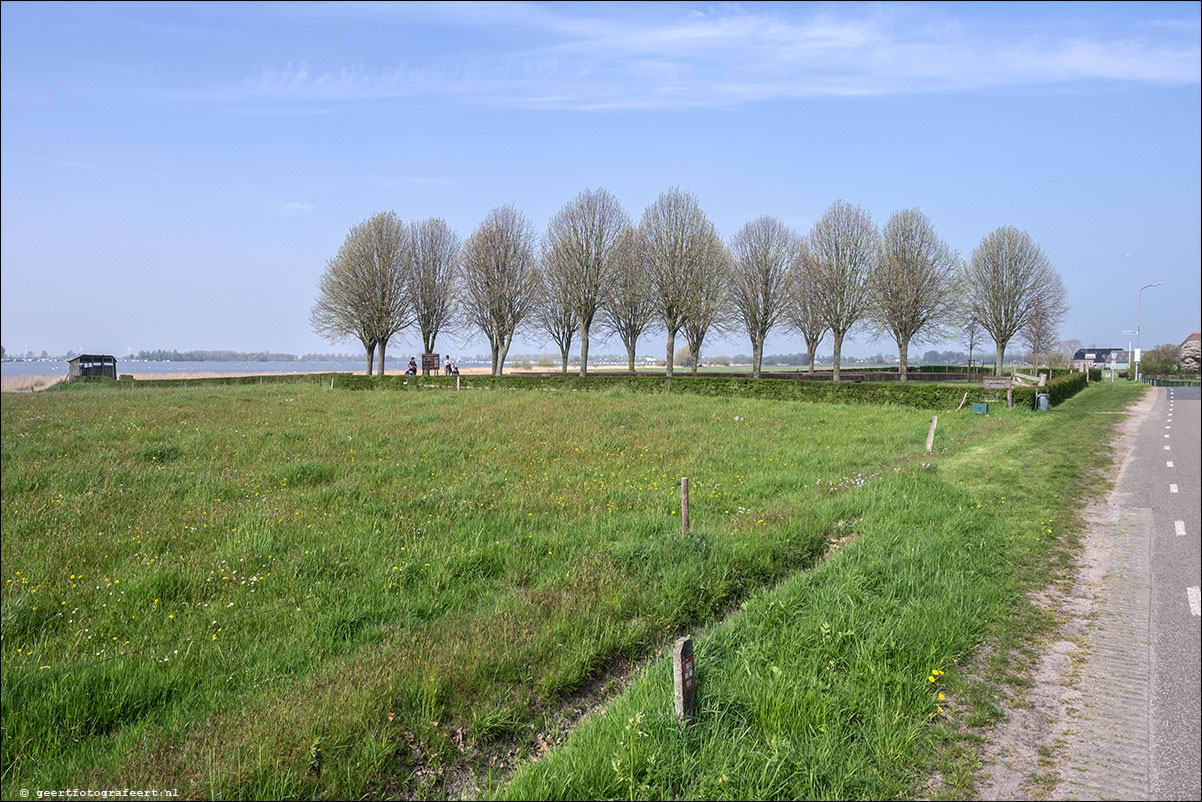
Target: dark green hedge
912, 394
921, 395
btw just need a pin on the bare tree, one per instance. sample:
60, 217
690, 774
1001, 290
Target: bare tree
1008, 281
342, 308
844, 249
971, 336
1043, 328
678, 240
802, 312
762, 255
363, 292
912, 291
434, 250
581, 255
555, 315
501, 284
709, 300
628, 308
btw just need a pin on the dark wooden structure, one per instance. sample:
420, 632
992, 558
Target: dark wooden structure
87, 366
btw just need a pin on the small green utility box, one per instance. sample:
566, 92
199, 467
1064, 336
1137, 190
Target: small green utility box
980, 408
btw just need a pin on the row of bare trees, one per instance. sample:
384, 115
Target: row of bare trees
595, 269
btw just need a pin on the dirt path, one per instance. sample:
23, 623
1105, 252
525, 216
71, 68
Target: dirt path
1081, 730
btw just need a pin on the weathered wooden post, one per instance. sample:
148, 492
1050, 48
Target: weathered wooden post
684, 678
931, 433
1009, 398
331, 382
456, 382
684, 505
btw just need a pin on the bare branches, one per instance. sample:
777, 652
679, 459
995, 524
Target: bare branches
802, 311
628, 307
844, 250
1008, 282
709, 299
581, 256
432, 282
763, 254
912, 291
678, 240
501, 284
1043, 328
556, 316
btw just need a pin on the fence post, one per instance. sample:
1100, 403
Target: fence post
931, 433
684, 505
684, 678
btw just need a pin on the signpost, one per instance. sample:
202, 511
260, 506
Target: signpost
429, 364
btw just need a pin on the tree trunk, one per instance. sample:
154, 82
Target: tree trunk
495, 351
838, 355
504, 352
671, 349
757, 357
371, 352
1001, 351
381, 346
694, 353
583, 350
630, 357
902, 352
428, 341
564, 352
812, 347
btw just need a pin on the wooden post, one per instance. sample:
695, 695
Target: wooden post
684, 678
456, 382
962, 400
1010, 398
331, 382
931, 433
684, 505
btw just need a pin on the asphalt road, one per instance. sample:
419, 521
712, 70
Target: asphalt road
1166, 476
1133, 710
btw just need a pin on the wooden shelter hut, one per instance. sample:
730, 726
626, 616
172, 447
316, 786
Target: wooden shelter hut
87, 366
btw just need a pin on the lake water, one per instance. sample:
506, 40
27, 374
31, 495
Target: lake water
16, 369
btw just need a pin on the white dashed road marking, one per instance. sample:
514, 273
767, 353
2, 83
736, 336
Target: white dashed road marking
1195, 600
1168, 464
1180, 528
1172, 488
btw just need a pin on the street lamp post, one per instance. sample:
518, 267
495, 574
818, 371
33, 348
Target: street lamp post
1140, 322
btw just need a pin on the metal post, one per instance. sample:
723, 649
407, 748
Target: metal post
1139, 321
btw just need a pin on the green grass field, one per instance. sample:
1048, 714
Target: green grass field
290, 592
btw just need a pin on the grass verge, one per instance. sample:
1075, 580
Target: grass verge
843, 682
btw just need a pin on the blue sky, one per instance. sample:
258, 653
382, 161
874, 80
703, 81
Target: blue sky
177, 175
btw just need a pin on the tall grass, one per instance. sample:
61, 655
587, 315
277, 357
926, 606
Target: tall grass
282, 590
838, 684
27, 384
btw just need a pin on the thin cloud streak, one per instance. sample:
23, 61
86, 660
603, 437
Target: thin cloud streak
707, 61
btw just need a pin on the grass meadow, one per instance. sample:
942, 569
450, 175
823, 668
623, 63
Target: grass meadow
283, 591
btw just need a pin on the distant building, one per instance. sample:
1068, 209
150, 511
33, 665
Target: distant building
1100, 357
86, 366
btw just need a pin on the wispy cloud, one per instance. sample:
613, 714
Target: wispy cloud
729, 57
